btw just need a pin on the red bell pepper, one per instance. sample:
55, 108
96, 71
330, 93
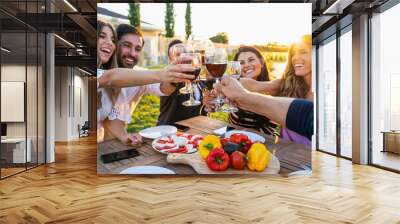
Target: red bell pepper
243, 140
224, 141
238, 138
217, 160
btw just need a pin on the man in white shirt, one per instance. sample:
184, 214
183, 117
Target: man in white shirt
130, 45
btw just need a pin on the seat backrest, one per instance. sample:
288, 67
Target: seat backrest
86, 125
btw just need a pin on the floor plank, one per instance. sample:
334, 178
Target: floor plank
70, 191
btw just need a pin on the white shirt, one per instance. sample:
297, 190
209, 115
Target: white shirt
125, 104
129, 98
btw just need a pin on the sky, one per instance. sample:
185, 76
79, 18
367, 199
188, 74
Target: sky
245, 23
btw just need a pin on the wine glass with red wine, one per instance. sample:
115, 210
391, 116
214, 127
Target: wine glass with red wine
233, 70
193, 59
216, 65
177, 51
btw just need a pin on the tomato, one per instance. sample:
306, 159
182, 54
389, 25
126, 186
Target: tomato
238, 160
217, 160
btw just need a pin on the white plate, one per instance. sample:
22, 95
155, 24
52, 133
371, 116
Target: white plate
158, 131
178, 141
147, 170
252, 136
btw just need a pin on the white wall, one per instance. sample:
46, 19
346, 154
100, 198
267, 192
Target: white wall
12, 73
71, 94
33, 127
61, 103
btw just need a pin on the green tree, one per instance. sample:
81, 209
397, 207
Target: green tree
134, 15
169, 20
188, 21
221, 38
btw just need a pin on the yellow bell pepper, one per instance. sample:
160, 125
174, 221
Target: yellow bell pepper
258, 157
209, 143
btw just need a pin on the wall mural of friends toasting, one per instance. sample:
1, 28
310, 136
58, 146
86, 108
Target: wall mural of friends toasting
184, 93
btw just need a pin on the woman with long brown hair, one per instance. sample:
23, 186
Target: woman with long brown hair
253, 67
296, 80
106, 59
111, 80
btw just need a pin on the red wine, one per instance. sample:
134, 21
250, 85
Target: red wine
195, 72
216, 70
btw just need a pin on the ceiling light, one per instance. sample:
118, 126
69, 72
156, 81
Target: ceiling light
338, 6
65, 41
70, 5
5, 50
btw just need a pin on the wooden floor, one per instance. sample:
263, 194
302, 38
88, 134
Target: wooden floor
70, 191
10, 171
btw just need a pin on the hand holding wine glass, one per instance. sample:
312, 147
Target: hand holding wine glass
216, 63
176, 73
194, 59
177, 51
233, 70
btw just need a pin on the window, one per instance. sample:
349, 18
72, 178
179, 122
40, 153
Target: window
385, 88
346, 93
327, 96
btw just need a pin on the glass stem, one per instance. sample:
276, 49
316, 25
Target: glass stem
218, 94
191, 93
186, 86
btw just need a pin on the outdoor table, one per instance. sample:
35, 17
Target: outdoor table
293, 158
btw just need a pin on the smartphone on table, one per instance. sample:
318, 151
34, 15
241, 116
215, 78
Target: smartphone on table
223, 130
181, 128
116, 156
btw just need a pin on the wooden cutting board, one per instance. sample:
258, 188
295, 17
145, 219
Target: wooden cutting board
194, 160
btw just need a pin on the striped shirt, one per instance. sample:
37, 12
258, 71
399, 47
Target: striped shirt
249, 119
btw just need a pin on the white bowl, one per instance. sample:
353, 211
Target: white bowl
252, 136
158, 131
147, 170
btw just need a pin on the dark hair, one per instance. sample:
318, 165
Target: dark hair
172, 43
112, 63
263, 76
124, 29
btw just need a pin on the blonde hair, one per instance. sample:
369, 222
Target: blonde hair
112, 63
292, 85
